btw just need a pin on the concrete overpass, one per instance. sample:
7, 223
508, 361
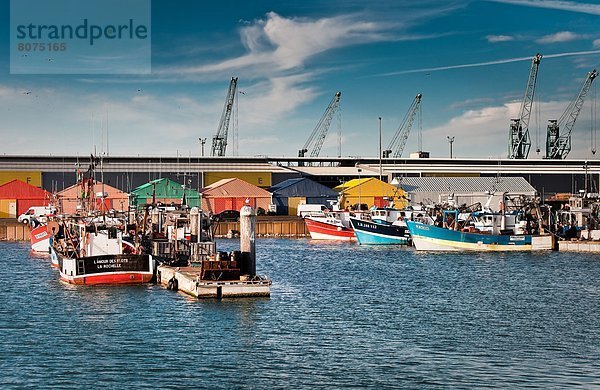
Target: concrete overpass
128, 172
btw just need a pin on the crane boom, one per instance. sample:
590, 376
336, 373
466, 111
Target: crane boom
219, 141
318, 135
519, 142
399, 139
558, 146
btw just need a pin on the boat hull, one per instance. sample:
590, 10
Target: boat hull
433, 238
324, 231
105, 269
371, 233
40, 239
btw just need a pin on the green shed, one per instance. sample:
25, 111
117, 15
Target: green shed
165, 191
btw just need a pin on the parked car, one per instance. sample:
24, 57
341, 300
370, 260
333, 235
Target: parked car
227, 216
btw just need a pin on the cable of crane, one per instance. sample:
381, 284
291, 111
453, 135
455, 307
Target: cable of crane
593, 120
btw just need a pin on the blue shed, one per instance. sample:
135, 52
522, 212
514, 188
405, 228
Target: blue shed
288, 194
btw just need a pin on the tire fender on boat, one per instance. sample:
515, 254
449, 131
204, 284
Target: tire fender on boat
173, 284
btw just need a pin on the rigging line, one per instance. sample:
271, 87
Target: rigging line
593, 117
538, 123
535, 106
235, 125
592, 124
420, 124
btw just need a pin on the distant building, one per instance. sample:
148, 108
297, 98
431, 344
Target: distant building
464, 190
16, 197
372, 192
165, 191
231, 194
70, 198
288, 194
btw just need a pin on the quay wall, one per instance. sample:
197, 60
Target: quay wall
267, 227
11, 230
579, 246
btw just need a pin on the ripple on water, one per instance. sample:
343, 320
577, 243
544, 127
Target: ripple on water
340, 315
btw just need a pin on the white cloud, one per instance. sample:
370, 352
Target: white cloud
277, 51
277, 43
586, 8
479, 131
77, 121
596, 43
562, 36
268, 101
499, 38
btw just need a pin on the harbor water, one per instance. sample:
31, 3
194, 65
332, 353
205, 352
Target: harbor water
340, 315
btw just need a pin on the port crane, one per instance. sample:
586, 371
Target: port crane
558, 146
399, 139
519, 141
318, 135
219, 141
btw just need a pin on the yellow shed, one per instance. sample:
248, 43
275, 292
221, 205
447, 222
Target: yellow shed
372, 192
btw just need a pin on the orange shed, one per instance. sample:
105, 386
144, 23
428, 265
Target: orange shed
231, 194
68, 199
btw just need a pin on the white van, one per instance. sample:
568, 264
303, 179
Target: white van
37, 212
305, 209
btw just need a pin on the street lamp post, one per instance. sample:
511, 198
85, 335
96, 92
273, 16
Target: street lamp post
359, 183
201, 173
202, 142
585, 180
451, 141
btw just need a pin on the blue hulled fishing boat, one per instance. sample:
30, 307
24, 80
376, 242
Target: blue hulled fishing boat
377, 233
481, 238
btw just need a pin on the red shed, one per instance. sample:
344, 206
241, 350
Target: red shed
231, 194
25, 194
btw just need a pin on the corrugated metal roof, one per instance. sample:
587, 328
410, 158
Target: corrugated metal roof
286, 183
234, 188
353, 183
17, 189
467, 184
302, 187
75, 190
165, 188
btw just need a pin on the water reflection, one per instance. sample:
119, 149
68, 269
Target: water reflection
339, 316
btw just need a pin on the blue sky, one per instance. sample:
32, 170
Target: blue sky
292, 56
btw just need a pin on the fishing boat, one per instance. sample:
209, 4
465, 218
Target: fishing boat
484, 231
386, 226
39, 237
94, 254
374, 233
330, 225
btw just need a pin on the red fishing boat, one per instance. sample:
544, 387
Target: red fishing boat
95, 254
40, 238
330, 225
